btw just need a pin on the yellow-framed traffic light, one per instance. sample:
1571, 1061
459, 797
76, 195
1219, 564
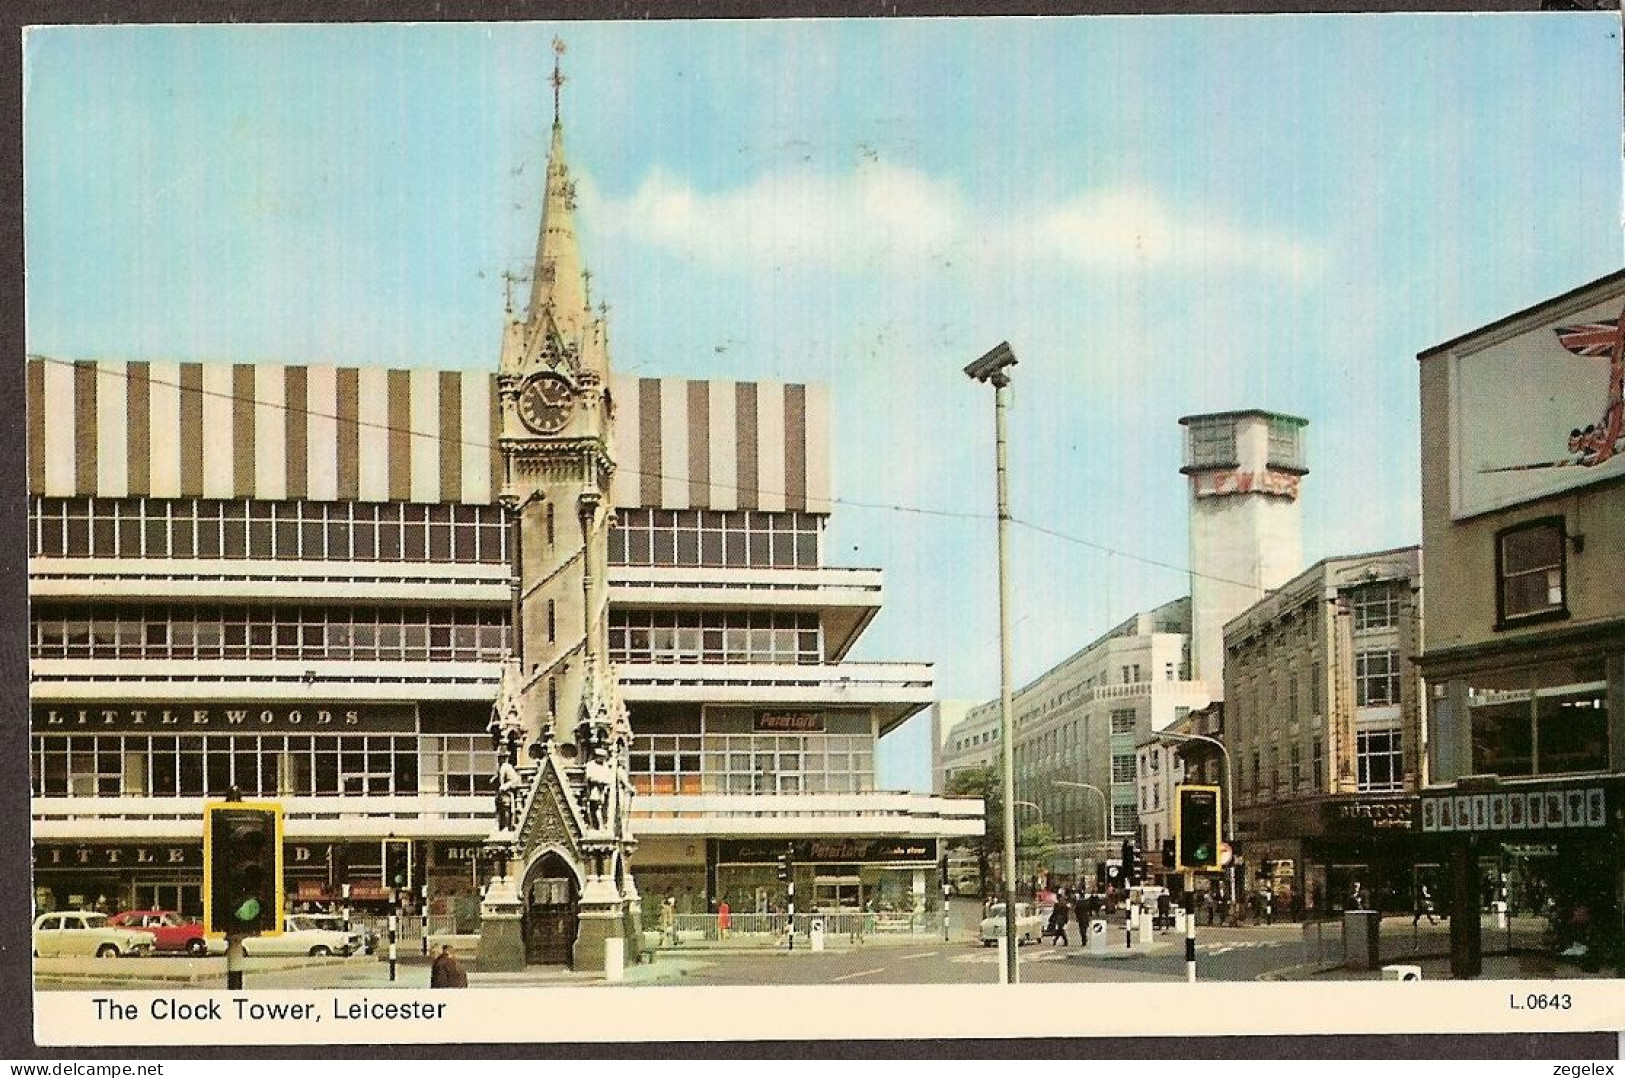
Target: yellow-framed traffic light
242, 868
1197, 828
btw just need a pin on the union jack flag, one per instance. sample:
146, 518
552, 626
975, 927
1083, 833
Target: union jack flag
1591, 339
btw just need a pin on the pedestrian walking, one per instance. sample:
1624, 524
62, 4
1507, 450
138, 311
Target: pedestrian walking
1056, 931
1210, 905
724, 917
668, 920
446, 971
1357, 897
1424, 907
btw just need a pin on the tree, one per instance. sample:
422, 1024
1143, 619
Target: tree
1036, 845
983, 782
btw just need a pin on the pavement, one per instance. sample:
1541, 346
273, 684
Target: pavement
1284, 951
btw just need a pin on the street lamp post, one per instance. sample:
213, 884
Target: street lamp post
1229, 795
1105, 812
991, 368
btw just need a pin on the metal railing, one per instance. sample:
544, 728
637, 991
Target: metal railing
772, 928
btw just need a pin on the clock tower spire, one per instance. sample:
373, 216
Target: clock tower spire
561, 729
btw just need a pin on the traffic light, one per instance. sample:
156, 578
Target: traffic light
398, 864
1170, 854
1131, 862
242, 868
785, 864
1196, 827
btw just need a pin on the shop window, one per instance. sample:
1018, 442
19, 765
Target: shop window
1530, 573
1529, 722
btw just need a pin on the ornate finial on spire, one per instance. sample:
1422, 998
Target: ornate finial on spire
586, 287
558, 76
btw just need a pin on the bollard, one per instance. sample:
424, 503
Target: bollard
816, 934
614, 959
1501, 915
1402, 973
1097, 937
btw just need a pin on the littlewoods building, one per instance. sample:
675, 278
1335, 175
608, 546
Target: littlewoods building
296, 580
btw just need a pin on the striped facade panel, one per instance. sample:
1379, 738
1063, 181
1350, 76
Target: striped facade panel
721, 418
270, 433
244, 414
36, 424
820, 489
276, 432
112, 428
347, 386
163, 426
481, 462
322, 434
625, 487
139, 424
372, 457
218, 411
674, 454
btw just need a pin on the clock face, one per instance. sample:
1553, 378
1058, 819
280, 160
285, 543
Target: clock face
545, 403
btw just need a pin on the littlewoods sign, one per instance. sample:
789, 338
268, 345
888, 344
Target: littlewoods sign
211, 718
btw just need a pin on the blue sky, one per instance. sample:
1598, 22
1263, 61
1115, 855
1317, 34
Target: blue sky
1162, 215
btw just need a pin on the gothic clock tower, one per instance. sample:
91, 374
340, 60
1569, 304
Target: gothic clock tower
564, 887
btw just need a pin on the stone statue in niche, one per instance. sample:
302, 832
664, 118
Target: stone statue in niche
509, 786
600, 779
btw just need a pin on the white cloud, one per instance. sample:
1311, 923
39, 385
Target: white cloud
881, 212
877, 213
1121, 227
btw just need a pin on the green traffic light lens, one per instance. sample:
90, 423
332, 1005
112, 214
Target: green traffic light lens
248, 910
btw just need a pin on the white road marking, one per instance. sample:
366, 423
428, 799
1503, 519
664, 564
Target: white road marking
922, 954
861, 973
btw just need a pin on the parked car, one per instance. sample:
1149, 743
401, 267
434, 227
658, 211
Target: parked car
169, 929
363, 940
76, 932
300, 935
1030, 922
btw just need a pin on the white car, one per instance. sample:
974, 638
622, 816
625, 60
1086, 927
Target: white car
301, 934
74, 932
1030, 923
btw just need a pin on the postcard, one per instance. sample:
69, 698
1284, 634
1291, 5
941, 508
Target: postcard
825, 528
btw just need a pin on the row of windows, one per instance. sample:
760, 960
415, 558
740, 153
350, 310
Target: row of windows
1379, 761
1375, 606
1376, 678
248, 528
714, 636
753, 763
715, 537
267, 765
305, 633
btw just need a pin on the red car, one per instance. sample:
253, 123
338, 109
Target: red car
173, 933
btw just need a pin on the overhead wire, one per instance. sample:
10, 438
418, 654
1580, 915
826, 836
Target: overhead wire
841, 501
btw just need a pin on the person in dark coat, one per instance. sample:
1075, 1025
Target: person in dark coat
1057, 920
446, 972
